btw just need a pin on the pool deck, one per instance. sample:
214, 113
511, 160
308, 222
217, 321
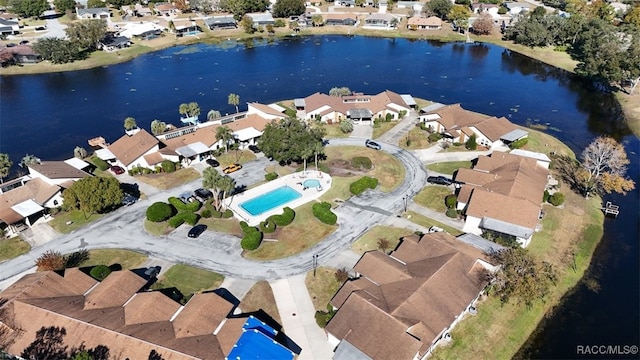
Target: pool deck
293, 181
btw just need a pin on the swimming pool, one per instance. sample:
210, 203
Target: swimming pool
270, 200
311, 183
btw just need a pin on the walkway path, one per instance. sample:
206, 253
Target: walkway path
399, 131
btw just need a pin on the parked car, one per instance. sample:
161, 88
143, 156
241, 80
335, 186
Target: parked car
197, 230
129, 199
440, 180
232, 168
203, 194
117, 170
372, 144
254, 148
213, 162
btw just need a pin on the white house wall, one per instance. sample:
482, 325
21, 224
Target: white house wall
472, 225
55, 201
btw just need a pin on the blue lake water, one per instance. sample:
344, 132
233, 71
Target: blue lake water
49, 114
270, 200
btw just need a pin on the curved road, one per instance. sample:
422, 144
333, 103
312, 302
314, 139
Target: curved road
221, 252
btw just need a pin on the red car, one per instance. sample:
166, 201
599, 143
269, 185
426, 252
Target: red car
117, 170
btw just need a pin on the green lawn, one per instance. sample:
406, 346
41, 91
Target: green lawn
432, 197
383, 128
157, 228
369, 240
126, 258
165, 181
322, 286
188, 279
418, 139
227, 226
13, 247
428, 222
339, 189
333, 131
449, 167
68, 221
233, 156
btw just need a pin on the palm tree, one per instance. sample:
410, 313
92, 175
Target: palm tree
305, 154
224, 134
317, 149
234, 99
79, 152
28, 160
226, 184
210, 180
5, 166
213, 115
130, 123
158, 127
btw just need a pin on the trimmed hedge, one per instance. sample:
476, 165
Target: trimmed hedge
216, 214
283, 219
100, 272
99, 163
450, 201
545, 196
359, 186
168, 166
452, 213
181, 206
361, 162
519, 143
322, 211
271, 176
182, 217
267, 227
227, 214
159, 211
556, 199
206, 213
252, 238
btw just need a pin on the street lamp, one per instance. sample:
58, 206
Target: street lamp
315, 264
404, 202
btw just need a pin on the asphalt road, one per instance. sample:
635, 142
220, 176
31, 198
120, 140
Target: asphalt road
221, 252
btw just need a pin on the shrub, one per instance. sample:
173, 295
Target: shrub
50, 260
556, 199
182, 217
361, 162
181, 206
359, 186
227, 214
271, 176
216, 214
452, 213
176, 221
388, 117
243, 225
100, 272
518, 143
323, 317
206, 213
267, 227
99, 163
252, 239
450, 201
283, 219
322, 211
168, 166
471, 144
434, 137
159, 211
545, 196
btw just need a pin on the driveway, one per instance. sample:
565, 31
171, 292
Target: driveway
54, 27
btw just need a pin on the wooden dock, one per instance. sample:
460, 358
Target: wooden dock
611, 209
98, 142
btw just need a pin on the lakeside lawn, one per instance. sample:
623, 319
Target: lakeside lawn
369, 240
166, 181
260, 297
188, 279
322, 287
68, 221
432, 197
126, 258
13, 247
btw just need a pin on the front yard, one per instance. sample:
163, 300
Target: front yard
13, 247
68, 221
449, 167
125, 258
369, 240
322, 287
165, 181
260, 297
188, 279
432, 197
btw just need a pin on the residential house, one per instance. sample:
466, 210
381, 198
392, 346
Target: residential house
503, 194
517, 8
143, 30
270, 112
93, 13
123, 315
111, 43
186, 27
138, 10
340, 19
399, 306
221, 22
129, 150
420, 23
25, 202
61, 173
19, 54
479, 8
261, 19
9, 27
413, 5
380, 21
357, 107
165, 9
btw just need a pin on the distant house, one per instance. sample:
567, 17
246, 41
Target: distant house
186, 27
261, 19
420, 23
516, 8
165, 9
221, 22
479, 8
9, 27
270, 112
122, 314
399, 306
144, 30
129, 151
111, 43
26, 202
380, 21
93, 13
19, 54
503, 194
340, 19
61, 173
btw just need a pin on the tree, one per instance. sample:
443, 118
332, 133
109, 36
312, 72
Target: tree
93, 195
219, 185
188, 110
79, 152
346, 126
56, 50
93, 4
154, 355
29, 160
224, 134
240, 7
318, 149
50, 260
287, 8
158, 127
86, 34
383, 244
340, 91
289, 140
213, 115
471, 143
483, 24
460, 14
317, 20
49, 344
226, 184
604, 167
521, 276
29, 8
234, 99
440, 7
249, 28
130, 123
5, 166
632, 16
63, 5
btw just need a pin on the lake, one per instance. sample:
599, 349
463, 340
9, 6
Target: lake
48, 115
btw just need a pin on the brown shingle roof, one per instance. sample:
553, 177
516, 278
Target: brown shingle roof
202, 315
454, 116
502, 207
342, 104
114, 290
163, 308
493, 128
129, 148
36, 189
58, 170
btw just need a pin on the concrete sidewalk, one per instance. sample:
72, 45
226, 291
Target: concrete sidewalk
399, 131
297, 313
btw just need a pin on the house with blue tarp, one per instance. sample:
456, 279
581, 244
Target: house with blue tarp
258, 341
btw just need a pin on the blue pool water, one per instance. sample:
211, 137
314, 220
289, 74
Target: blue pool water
311, 183
270, 200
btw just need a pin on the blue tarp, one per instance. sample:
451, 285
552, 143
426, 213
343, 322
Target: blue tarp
257, 342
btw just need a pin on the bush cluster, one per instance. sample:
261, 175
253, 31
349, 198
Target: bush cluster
518, 143
322, 211
471, 144
206, 213
283, 219
168, 166
452, 213
159, 211
361, 162
268, 227
271, 176
99, 163
545, 196
182, 217
227, 214
181, 206
434, 137
359, 186
556, 199
252, 238
100, 272
450, 201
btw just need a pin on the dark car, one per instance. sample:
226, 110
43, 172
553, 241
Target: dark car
197, 230
24, 42
117, 170
203, 194
213, 162
254, 148
440, 180
372, 144
129, 199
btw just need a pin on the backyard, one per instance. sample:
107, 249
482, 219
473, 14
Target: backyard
260, 297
